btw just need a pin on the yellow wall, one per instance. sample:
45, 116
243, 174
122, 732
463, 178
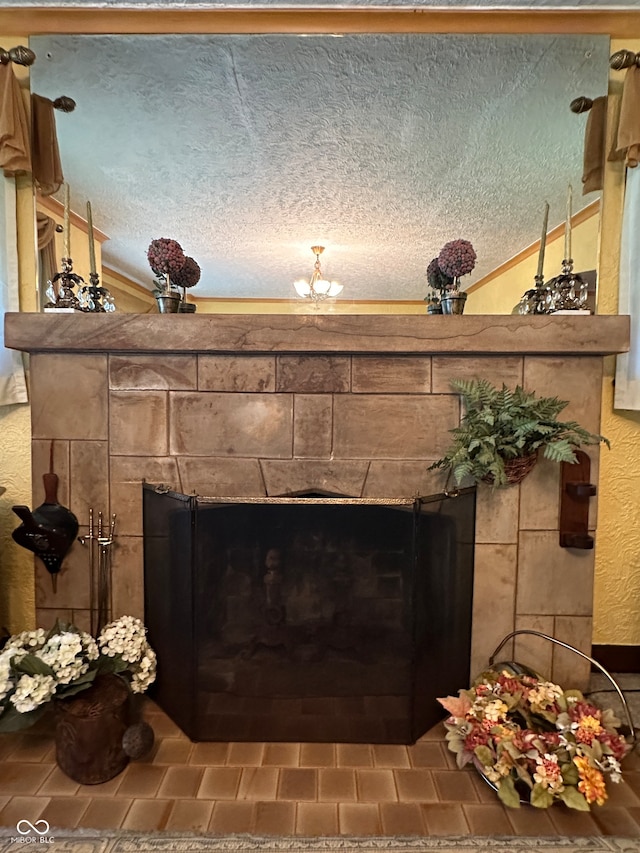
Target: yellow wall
502, 293
301, 306
617, 590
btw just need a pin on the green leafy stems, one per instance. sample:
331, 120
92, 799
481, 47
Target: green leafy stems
504, 424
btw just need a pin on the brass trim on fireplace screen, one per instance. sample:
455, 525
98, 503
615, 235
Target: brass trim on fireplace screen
301, 499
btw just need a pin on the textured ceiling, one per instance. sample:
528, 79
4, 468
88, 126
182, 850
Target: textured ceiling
250, 149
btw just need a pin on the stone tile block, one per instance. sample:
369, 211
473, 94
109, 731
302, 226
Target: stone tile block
534, 651
62, 386
221, 476
217, 424
397, 479
312, 425
125, 480
494, 591
127, 577
237, 373
569, 669
577, 380
138, 423
156, 372
309, 475
539, 493
497, 514
495, 369
46, 616
41, 464
551, 579
393, 375
89, 463
313, 374
399, 426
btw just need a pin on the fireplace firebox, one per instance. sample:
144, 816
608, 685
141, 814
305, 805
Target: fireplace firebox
308, 618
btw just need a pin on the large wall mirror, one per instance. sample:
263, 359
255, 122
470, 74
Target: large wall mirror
249, 149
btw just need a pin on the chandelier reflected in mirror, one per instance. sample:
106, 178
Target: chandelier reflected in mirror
318, 287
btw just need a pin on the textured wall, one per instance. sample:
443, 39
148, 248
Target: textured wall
617, 590
17, 599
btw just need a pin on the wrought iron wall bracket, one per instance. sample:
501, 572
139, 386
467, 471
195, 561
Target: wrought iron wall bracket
575, 492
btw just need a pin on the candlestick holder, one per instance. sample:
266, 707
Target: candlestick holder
60, 291
537, 300
95, 299
568, 290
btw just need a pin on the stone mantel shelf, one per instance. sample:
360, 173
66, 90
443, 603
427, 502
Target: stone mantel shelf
293, 333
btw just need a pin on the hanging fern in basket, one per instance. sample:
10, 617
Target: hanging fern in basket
504, 429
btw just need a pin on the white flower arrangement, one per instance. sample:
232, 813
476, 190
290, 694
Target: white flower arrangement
37, 667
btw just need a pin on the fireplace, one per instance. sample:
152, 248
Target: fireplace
308, 618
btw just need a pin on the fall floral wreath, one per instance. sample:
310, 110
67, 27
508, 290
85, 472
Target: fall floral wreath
535, 742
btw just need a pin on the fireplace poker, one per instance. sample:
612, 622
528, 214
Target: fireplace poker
99, 570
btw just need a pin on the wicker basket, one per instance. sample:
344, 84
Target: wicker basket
515, 469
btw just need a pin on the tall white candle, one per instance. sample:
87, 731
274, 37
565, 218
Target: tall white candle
66, 235
567, 228
92, 248
543, 239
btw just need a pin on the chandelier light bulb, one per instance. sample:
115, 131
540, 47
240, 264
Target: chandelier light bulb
318, 287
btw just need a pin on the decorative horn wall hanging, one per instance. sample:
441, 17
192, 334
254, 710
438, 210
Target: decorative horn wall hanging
50, 530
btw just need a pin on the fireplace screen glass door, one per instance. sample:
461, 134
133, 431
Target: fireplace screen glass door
308, 618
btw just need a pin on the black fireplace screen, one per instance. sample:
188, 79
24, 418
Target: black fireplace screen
308, 618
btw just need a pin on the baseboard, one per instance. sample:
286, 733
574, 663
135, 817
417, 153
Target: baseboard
617, 658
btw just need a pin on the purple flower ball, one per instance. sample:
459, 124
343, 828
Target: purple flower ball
165, 256
189, 275
457, 258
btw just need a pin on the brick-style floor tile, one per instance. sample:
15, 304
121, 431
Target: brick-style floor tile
258, 783
445, 819
486, 794
427, 754
22, 808
415, 786
245, 754
58, 784
298, 783
141, 780
219, 783
275, 818
164, 727
29, 747
281, 755
103, 789
173, 750
65, 812
401, 819
531, 822
572, 822
615, 820
359, 819
622, 795
485, 819
354, 755
376, 786
23, 779
454, 786
317, 755
190, 815
209, 754
232, 817
314, 819
436, 732
337, 784
148, 815
390, 755
181, 781
105, 813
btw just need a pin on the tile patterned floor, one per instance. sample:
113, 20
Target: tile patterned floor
289, 789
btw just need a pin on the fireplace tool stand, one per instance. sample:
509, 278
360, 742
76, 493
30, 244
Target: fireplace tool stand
99, 541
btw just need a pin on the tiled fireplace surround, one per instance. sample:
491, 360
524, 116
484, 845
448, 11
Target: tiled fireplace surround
252, 405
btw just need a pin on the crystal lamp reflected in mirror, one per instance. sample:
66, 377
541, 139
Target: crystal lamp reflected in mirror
318, 287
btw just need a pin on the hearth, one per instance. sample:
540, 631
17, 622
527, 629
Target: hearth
308, 618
